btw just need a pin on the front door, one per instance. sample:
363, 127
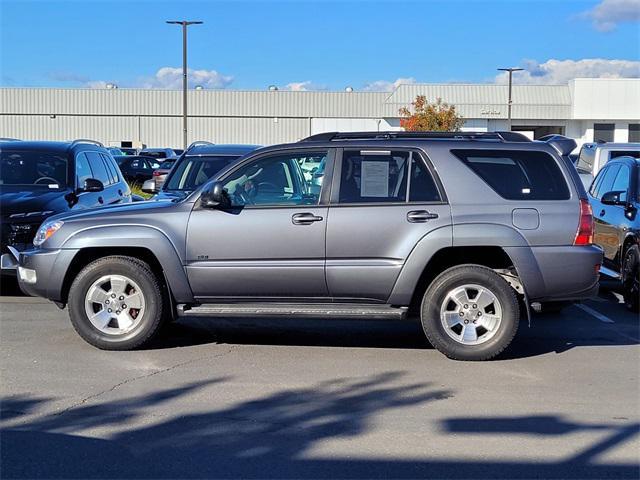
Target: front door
271, 244
382, 203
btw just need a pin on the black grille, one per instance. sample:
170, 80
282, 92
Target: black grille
17, 234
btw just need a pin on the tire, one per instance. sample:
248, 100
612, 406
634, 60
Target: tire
124, 329
631, 278
468, 281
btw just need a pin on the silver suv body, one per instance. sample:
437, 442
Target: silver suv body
465, 230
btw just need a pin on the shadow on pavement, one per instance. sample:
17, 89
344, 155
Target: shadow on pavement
271, 437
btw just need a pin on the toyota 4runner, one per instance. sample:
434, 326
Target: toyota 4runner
466, 230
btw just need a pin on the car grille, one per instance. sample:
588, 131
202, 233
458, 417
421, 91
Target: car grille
17, 234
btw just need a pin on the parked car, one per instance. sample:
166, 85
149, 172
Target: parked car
137, 169
41, 179
115, 151
158, 153
160, 173
465, 230
178, 151
202, 161
615, 198
594, 156
129, 151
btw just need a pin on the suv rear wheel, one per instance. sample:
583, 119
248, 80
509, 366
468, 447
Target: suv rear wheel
469, 312
631, 278
116, 303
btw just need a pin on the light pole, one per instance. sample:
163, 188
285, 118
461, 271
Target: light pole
510, 70
184, 24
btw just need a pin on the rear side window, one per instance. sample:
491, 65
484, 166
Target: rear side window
83, 170
586, 159
518, 174
98, 168
111, 168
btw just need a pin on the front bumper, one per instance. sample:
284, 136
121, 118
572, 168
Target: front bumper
49, 268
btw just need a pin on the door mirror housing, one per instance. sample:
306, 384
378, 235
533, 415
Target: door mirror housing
613, 198
92, 185
149, 186
215, 196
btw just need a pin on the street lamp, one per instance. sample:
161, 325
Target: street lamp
184, 24
510, 70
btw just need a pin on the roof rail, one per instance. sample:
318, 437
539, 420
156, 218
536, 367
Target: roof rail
197, 143
333, 136
561, 144
8, 139
86, 140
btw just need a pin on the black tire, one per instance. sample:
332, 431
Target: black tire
435, 296
631, 278
155, 306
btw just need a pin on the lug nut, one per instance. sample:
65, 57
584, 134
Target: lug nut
106, 301
461, 314
109, 310
466, 306
117, 312
479, 314
113, 295
475, 306
121, 297
124, 306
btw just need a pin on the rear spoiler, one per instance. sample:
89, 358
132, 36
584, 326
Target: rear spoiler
561, 144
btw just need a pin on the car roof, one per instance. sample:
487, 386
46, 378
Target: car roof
224, 149
40, 145
618, 145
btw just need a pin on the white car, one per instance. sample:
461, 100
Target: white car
594, 156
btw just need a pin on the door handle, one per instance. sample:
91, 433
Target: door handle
305, 218
420, 216
100, 199
602, 212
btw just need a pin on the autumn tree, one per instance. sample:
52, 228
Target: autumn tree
427, 117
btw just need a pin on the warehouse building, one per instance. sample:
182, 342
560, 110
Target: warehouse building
585, 109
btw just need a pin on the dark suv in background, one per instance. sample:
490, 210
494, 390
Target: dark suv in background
40, 179
465, 230
614, 195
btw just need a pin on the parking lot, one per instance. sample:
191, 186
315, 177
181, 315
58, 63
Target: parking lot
317, 398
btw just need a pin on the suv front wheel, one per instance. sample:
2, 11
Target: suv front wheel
469, 312
116, 303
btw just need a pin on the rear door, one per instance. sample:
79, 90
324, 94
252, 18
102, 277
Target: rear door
383, 202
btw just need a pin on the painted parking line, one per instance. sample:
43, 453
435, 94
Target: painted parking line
595, 313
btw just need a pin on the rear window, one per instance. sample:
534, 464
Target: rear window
517, 174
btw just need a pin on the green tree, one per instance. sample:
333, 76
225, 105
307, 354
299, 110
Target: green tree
430, 117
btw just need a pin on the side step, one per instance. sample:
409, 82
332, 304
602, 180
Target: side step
337, 310
610, 273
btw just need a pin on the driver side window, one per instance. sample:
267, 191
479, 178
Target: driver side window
273, 180
83, 170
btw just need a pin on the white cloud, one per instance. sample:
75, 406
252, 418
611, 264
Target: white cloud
607, 14
170, 78
305, 86
387, 86
96, 84
559, 72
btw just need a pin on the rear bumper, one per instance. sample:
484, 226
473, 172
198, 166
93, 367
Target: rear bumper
558, 273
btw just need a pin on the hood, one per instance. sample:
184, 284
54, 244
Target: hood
23, 199
170, 195
120, 211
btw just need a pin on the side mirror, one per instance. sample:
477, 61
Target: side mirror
92, 185
215, 196
149, 186
613, 198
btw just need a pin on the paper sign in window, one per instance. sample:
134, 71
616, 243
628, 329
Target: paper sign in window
374, 179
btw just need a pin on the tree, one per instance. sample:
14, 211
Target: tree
427, 117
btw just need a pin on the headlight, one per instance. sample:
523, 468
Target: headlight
46, 230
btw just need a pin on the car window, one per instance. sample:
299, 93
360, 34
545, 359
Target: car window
622, 153
46, 169
586, 159
607, 181
83, 170
111, 168
166, 165
374, 176
593, 190
193, 171
422, 188
621, 183
97, 167
518, 174
273, 180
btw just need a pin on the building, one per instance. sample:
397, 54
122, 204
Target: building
585, 109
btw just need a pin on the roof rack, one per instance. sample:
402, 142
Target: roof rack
8, 139
499, 136
86, 140
197, 143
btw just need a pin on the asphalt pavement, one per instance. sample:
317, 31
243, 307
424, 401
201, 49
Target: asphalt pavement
285, 398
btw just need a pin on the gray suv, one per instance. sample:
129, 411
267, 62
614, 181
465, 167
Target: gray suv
465, 230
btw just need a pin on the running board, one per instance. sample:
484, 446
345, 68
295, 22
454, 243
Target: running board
609, 273
337, 310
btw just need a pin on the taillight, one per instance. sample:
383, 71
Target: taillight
156, 173
585, 227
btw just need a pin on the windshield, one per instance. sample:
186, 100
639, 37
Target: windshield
44, 169
193, 171
166, 165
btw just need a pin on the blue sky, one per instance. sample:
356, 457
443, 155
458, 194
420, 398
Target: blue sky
314, 44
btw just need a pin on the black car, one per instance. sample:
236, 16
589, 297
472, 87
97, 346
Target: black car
136, 168
615, 199
40, 179
201, 161
158, 153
